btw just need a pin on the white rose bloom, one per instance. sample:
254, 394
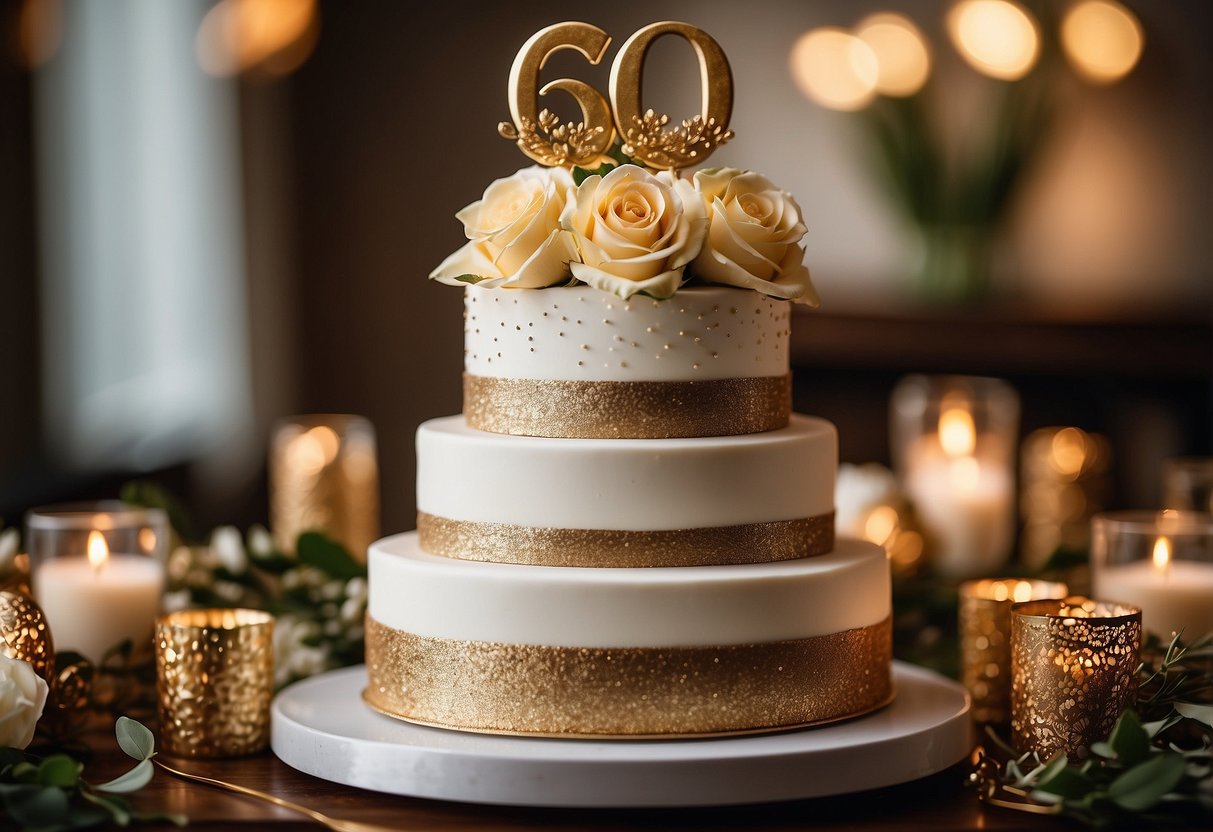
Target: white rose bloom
754, 231
514, 233
22, 697
228, 548
635, 231
260, 543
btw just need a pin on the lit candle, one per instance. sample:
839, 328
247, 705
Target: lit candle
94, 603
1173, 594
964, 498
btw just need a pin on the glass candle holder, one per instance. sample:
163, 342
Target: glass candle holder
954, 443
324, 477
985, 639
1073, 672
1161, 561
1187, 483
215, 680
1063, 477
97, 571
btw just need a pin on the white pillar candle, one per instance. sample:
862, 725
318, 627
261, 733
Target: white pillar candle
94, 603
963, 496
1173, 594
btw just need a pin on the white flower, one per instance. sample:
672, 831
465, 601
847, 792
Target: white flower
754, 230
635, 231
8, 549
260, 542
514, 233
228, 548
22, 697
858, 489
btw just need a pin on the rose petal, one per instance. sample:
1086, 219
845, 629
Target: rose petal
470, 259
548, 266
663, 285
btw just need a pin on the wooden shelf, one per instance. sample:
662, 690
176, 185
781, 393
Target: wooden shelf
1003, 343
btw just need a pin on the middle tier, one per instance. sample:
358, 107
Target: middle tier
752, 498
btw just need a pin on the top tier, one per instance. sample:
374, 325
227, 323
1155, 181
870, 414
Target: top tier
577, 362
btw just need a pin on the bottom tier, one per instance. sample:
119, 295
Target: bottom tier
680, 651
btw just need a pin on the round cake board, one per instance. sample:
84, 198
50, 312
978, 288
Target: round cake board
322, 727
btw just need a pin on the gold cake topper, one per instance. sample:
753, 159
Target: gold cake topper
643, 133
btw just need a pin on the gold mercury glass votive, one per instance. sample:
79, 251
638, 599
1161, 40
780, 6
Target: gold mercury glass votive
985, 639
1073, 672
215, 679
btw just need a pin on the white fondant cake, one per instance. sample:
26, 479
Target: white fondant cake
628, 484
693, 606
578, 333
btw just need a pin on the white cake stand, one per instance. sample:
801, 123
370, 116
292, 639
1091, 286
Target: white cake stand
322, 728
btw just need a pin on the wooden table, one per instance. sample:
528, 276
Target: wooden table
939, 802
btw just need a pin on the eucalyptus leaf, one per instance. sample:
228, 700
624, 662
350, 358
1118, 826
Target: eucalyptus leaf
1129, 740
39, 808
132, 781
1065, 782
11, 756
329, 556
25, 772
59, 770
174, 818
116, 807
1201, 713
1142, 786
1104, 750
134, 738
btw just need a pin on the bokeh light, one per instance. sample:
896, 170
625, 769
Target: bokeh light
835, 69
903, 60
1102, 39
996, 37
271, 36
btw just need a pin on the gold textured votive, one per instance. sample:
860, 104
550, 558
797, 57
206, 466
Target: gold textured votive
985, 639
1073, 672
215, 679
324, 476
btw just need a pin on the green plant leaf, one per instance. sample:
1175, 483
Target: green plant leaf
116, 807
1201, 713
582, 174
470, 278
1129, 740
43, 807
24, 772
1142, 786
162, 817
134, 738
1066, 782
328, 555
59, 770
132, 781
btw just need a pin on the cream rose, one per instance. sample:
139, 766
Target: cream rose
754, 230
635, 231
514, 234
22, 697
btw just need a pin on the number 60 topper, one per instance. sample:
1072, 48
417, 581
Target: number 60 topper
540, 135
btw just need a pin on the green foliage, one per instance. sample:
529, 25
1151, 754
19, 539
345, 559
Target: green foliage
50, 794
329, 556
1145, 774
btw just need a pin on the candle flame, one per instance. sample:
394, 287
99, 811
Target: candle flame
957, 433
98, 552
1162, 554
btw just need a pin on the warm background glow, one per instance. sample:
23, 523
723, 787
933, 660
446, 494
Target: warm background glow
275, 36
835, 69
996, 37
903, 60
1102, 39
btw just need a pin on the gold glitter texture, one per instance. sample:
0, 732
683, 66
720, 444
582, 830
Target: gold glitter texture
24, 634
215, 677
985, 640
1073, 665
627, 692
715, 546
627, 409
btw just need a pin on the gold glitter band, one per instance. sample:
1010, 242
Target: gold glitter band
627, 409
628, 692
715, 546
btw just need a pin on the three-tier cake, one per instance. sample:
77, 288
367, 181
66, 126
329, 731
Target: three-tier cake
627, 532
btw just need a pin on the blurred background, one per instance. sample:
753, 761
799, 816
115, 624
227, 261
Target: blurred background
217, 214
